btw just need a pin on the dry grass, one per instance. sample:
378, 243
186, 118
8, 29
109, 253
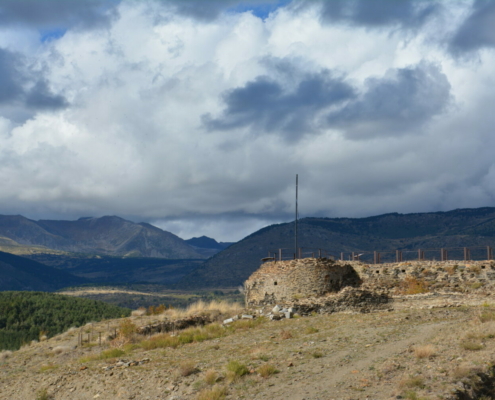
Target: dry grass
426, 351
215, 393
187, 368
411, 285
211, 377
104, 355
4, 354
471, 345
310, 329
267, 370
451, 269
201, 307
461, 372
412, 382
61, 349
286, 334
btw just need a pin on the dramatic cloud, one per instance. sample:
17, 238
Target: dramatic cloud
477, 30
56, 13
196, 115
375, 13
397, 104
265, 106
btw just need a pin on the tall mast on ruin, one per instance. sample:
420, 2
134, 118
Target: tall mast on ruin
295, 236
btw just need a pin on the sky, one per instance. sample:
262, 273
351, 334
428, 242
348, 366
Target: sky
196, 115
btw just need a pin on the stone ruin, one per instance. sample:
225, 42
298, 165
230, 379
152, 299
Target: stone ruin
283, 281
325, 286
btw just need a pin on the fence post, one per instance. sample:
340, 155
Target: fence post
319, 253
341, 256
467, 254
353, 256
299, 252
279, 254
419, 254
376, 257
489, 252
398, 256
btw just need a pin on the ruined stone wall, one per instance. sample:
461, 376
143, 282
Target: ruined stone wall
286, 281
460, 276
281, 281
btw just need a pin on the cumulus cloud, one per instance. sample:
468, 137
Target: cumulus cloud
266, 106
197, 118
399, 103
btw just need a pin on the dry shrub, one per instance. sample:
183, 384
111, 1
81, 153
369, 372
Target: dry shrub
412, 382
451, 269
310, 330
211, 377
215, 393
61, 349
201, 307
426, 351
4, 354
411, 285
461, 372
267, 370
285, 334
487, 315
471, 345
187, 368
475, 269
139, 312
126, 333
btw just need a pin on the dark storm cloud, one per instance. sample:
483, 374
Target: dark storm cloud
478, 30
211, 9
376, 13
401, 101
57, 13
14, 77
41, 98
10, 77
266, 106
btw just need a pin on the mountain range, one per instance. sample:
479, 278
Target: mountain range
384, 233
110, 235
113, 250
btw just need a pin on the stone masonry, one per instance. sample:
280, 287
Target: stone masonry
282, 282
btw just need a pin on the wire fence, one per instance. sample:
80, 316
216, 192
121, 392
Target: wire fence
473, 253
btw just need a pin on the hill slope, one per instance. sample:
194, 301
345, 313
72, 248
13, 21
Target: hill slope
388, 232
24, 315
106, 235
19, 273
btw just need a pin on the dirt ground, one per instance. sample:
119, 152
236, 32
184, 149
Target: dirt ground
423, 347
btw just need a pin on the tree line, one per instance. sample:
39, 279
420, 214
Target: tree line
25, 316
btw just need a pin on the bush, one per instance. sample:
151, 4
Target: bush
412, 382
310, 330
187, 368
411, 285
426, 351
471, 345
211, 377
267, 370
215, 393
285, 335
237, 368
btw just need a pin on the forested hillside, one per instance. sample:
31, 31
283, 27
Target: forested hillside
25, 316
